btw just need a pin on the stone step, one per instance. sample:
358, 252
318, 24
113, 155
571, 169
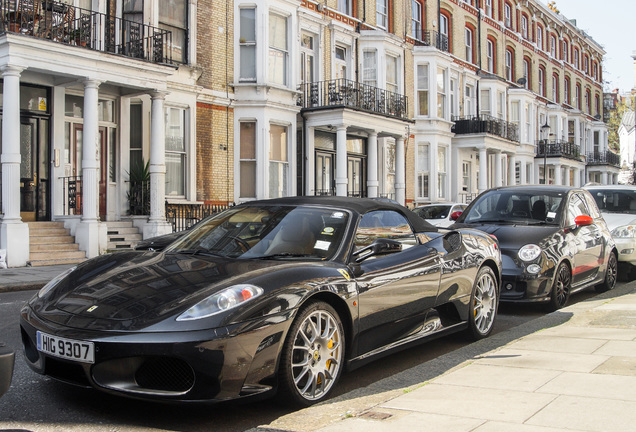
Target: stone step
41, 256
68, 245
45, 224
38, 232
43, 240
48, 262
119, 224
122, 230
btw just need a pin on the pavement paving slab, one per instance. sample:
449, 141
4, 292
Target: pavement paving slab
587, 414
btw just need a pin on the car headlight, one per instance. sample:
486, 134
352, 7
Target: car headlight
529, 252
625, 231
53, 282
227, 299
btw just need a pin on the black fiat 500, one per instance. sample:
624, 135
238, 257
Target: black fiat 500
277, 294
553, 241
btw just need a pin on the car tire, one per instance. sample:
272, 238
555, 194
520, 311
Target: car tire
561, 288
313, 356
611, 273
484, 302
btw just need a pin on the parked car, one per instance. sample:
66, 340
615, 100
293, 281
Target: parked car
618, 207
439, 214
279, 294
553, 241
6, 367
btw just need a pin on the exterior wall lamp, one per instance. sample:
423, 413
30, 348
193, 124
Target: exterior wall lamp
545, 131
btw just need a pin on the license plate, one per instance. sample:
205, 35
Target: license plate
66, 348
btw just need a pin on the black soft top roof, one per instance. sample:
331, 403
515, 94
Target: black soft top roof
356, 205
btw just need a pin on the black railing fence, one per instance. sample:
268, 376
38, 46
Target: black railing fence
63, 23
486, 124
184, 216
347, 93
558, 148
72, 189
431, 38
139, 198
604, 158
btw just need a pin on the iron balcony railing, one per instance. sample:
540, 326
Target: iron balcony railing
603, 158
431, 38
62, 23
486, 124
351, 94
558, 148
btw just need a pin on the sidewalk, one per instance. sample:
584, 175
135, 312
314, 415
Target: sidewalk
573, 370
29, 278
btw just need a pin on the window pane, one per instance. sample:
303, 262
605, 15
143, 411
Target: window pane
248, 25
248, 179
248, 140
175, 174
278, 143
278, 32
248, 62
173, 12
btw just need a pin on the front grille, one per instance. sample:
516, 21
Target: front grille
61, 370
166, 374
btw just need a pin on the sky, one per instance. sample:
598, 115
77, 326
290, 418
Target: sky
612, 24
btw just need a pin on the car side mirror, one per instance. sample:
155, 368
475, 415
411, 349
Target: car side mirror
455, 215
380, 246
583, 220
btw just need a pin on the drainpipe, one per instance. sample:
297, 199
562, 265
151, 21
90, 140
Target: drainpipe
303, 164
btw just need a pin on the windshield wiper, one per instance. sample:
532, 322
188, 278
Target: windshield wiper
488, 221
283, 255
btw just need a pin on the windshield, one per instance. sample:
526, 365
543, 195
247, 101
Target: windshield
615, 201
267, 232
433, 212
511, 206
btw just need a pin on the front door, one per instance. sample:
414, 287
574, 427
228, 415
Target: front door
324, 173
34, 169
355, 176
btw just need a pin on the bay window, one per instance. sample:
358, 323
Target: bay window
441, 173
176, 146
173, 16
422, 90
247, 45
423, 168
278, 49
278, 161
392, 74
247, 159
441, 93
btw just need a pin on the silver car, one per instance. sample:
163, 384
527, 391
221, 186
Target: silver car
439, 215
618, 207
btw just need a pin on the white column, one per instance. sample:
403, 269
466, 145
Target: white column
310, 161
13, 233
483, 170
89, 151
157, 224
604, 178
558, 178
88, 234
400, 182
523, 172
372, 160
577, 177
512, 170
498, 169
341, 161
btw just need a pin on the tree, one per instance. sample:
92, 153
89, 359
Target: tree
614, 122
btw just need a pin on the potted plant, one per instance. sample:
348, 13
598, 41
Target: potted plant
139, 193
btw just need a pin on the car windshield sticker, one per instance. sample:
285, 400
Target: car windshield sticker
337, 215
327, 231
322, 245
552, 214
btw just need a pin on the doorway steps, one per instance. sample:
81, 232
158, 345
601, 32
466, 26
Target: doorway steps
122, 235
50, 244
